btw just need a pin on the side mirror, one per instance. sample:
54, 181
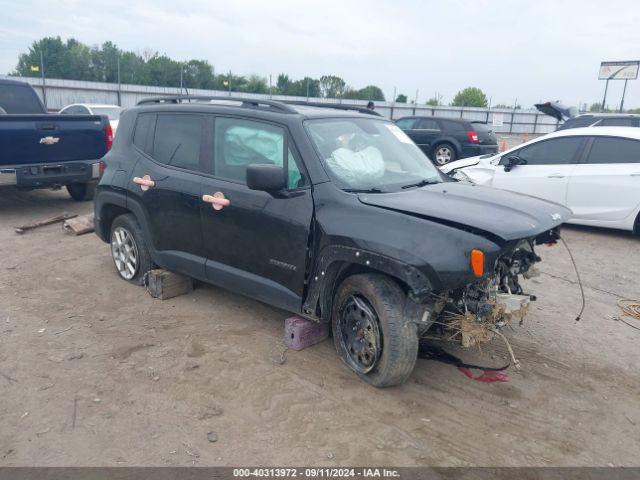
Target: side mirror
514, 161
265, 177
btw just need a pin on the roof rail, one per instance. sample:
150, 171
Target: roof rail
337, 106
245, 102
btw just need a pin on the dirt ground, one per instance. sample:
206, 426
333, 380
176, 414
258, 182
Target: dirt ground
95, 372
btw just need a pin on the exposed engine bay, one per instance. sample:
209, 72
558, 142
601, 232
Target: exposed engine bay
473, 314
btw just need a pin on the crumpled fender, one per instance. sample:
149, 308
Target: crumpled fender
324, 275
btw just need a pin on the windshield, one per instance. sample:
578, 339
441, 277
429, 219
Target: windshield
112, 112
367, 154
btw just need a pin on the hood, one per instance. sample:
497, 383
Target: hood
494, 212
557, 110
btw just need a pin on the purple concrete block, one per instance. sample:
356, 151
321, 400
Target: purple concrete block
300, 333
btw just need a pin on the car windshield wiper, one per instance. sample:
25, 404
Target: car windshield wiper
363, 190
421, 183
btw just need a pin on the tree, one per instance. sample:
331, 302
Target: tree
435, 101
470, 97
331, 86
402, 98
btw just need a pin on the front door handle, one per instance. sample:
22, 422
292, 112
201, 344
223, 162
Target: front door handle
145, 182
555, 175
635, 174
217, 200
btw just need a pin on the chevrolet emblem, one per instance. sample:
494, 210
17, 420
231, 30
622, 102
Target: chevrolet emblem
49, 140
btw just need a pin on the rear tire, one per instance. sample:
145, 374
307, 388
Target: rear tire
129, 250
370, 332
82, 192
444, 153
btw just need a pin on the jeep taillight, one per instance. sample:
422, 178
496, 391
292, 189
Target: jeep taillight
473, 136
100, 169
109, 132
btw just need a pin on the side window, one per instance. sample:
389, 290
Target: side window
177, 140
614, 150
616, 122
428, 124
557, 151
452, 126
406, 123
143, 132
239, 143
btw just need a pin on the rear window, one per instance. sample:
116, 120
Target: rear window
614, 150
616, 122
578, 122
19, 99
452, 126
177, 140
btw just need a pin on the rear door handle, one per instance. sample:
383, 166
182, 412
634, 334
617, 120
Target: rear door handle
555, 175
145, 182
635, 174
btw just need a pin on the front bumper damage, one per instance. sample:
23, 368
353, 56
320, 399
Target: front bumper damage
475, 313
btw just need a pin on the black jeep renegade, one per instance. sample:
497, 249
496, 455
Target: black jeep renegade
334, 215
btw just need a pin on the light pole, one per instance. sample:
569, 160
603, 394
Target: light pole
44, 83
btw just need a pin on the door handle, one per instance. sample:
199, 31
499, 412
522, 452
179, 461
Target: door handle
555, 175
217, 200
635, 174
145, 182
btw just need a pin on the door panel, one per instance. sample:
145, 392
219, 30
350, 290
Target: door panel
546, 174
257, 245
172, 204
424, 132
607, 186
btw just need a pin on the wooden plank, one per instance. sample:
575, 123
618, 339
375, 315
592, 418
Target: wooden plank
47, 221
163, 284
80, 225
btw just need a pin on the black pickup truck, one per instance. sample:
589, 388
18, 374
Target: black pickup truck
39, 150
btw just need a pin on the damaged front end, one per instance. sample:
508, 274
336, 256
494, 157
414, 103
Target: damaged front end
474, 313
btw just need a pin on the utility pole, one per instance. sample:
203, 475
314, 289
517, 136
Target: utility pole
181, 69
44, 84
229, 82
270, 91
119, 85
307, 90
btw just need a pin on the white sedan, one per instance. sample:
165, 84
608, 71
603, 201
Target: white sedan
111, 111
593, 171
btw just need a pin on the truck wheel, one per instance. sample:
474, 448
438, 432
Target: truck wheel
82, 192
370, 332
129, 250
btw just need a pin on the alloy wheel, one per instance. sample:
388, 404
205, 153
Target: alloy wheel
124, 252
443, 155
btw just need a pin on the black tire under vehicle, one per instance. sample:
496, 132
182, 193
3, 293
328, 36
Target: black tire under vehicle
82, 192
370, 332
129, 250
443, 154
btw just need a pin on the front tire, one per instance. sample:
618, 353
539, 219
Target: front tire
370, 332
444, 153
82, 192
129, 250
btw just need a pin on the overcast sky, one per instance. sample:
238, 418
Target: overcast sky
532, 50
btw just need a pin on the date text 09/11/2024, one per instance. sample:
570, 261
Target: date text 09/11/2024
316, 472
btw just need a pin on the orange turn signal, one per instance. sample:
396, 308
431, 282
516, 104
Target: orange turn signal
477, 262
